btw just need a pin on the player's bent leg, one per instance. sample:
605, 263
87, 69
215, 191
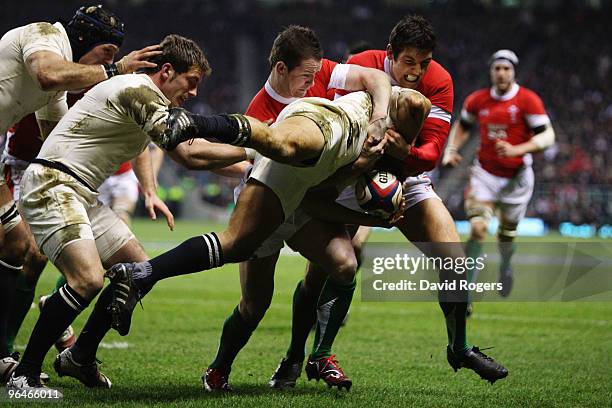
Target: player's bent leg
257, 215
79, 361
35, 262
79, 262
294, 141
432, 223
334, 253
257, 287
12, 256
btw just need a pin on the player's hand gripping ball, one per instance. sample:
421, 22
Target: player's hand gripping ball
379, 193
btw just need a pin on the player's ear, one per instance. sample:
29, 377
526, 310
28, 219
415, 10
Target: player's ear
167, 71
389, 52
281, 68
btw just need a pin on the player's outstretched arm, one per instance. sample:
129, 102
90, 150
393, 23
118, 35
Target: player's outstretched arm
377, 84
204, 155
457, 137
54, 73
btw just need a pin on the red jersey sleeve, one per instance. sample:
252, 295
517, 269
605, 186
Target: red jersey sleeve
262, 107
426, 153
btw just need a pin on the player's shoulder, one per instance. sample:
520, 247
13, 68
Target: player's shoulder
263, 106
369, 58
437, 76
527, 94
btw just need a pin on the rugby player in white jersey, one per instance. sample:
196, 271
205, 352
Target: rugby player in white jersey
37, 68
112, 123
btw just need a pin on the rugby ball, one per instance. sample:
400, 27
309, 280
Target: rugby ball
379, 192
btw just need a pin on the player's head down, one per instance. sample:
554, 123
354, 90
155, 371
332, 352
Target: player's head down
410, 49
180, 68
407, 111
502, 64
295, 59
95, 35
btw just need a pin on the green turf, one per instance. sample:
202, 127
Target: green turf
558, 354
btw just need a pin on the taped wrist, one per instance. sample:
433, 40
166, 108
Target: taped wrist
233, 128
111, 70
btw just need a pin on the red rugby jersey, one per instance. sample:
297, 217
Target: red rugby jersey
267, 104
437, 86
509, 117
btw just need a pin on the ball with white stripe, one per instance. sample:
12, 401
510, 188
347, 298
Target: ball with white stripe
379, 193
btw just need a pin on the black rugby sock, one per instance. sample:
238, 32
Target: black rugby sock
194, 255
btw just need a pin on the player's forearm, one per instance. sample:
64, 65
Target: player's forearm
377, 84
56, 74
204, 155
237, 170
457, 137
143, 168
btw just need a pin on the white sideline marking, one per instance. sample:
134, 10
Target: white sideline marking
115, 345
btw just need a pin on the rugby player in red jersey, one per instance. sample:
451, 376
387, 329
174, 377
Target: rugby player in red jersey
513, 124
409, 63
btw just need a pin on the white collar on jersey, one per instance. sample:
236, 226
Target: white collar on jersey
274, 95
508, 95
388, 72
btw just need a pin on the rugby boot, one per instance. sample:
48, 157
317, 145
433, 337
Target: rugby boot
286, 374
328, 370
88, 374
474, 359
216, 380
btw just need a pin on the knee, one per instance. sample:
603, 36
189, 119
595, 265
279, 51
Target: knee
345, 269
88, 286
35, 262
507, 231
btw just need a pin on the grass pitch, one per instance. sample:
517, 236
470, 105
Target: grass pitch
558, 354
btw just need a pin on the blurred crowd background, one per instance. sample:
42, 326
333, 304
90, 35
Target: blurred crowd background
565, 52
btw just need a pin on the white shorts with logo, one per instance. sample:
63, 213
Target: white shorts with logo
510, 195
123, 187
60, 210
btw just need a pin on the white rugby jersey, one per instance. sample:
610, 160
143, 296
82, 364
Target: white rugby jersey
20, 94
113, 123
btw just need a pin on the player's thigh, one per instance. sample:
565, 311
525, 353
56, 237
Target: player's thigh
332, 249
132, 251
302, 136
430, 226
114, 241
257, 215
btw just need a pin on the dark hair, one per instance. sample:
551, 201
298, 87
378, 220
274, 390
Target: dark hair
293, 45
183, 53
412, 31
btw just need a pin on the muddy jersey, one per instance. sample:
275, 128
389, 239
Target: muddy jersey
20, 94
111, 124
